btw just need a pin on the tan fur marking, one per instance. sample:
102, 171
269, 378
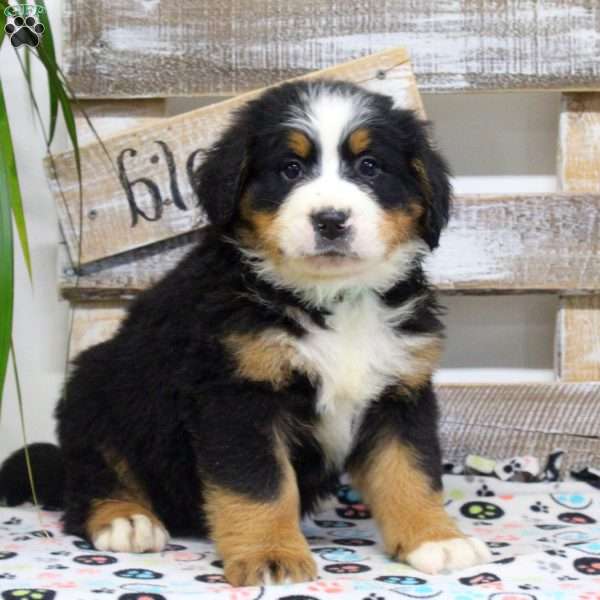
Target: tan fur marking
262, 357
421, 171
425, 360
258, 538
104, 512
258, 230
299, 144
407, 510
130, 487
359, 140
400, 225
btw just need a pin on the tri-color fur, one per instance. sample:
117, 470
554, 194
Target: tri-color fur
298, 341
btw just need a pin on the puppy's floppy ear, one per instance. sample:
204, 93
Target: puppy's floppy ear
219, 181
431, 174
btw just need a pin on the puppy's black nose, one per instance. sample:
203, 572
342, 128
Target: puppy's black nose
330, 224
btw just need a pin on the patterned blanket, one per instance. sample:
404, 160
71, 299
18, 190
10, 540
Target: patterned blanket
545, 538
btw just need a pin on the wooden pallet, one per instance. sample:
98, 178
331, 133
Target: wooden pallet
186, 47
495, 244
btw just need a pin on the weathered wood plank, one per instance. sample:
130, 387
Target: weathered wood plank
525, 243
578, 326
579, 143
579, 339
143, 194
114, 116
93, 323
185, 47
529, 242
124, 276
515, 419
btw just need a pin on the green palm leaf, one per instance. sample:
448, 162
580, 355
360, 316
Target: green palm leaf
8, 183
15, 198
48, 45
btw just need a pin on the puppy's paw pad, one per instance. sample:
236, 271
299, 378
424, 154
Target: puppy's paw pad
448, 555
270, 569
137, 533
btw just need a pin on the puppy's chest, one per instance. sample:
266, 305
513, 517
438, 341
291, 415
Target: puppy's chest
352, 360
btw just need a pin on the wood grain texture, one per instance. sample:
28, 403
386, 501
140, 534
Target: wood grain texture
515, 419
494, 244
579, 338
93, 323
529, 242
113, 116
579, 143
578, 325
185, 47
158, 202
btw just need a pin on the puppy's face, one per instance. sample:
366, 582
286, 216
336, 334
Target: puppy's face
330, 185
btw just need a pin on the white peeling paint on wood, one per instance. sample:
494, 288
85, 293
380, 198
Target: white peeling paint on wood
545, 242
144, 154
110, 117
494, 244
186, 47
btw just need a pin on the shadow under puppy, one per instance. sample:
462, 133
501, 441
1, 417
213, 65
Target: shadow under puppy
297, 342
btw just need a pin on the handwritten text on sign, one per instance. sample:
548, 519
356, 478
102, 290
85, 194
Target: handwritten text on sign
158, 203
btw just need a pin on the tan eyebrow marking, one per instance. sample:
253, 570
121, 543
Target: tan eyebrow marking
299, 143
359, 140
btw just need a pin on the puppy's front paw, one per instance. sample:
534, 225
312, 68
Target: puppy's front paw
271, 567
136, 533
446, 555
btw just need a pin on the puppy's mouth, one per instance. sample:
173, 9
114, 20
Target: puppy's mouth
332, 261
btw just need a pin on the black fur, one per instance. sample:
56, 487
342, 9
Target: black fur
47, 464
163, 393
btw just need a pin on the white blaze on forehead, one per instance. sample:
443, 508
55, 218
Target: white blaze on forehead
328, 117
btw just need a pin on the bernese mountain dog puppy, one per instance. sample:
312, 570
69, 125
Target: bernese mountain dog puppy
298, 341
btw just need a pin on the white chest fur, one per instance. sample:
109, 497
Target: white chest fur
356, 357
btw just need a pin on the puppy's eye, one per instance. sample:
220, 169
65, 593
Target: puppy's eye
292, 170
367, 167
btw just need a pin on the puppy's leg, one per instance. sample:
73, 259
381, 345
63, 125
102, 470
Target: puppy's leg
105, 502
397, 467
125, 526
259, 538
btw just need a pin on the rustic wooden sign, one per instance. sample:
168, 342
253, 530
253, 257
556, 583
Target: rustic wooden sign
110, 117
138, 190
525, 243
578, 327
184, 47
